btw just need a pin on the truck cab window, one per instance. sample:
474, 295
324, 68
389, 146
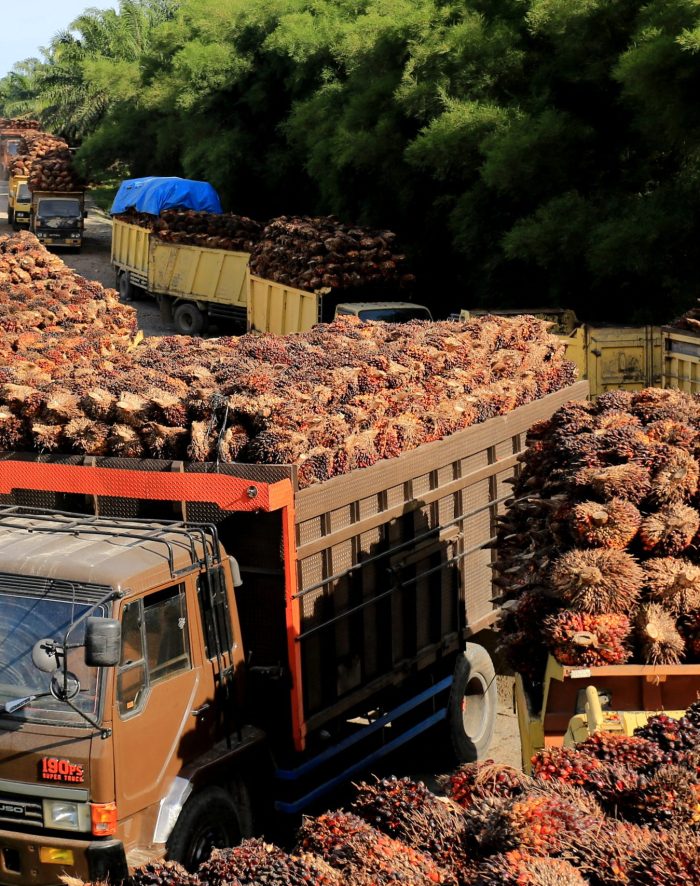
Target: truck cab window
216, 617
131, 677
167, 642
155, 644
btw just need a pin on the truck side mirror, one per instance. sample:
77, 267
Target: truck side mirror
85, 215
103, 642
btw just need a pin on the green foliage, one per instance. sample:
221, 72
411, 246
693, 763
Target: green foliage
527, 151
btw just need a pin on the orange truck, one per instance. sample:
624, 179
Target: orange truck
183, 644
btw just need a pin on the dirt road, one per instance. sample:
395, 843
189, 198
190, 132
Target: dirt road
93, 262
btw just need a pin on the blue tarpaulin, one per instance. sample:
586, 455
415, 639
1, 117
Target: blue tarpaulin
153, 195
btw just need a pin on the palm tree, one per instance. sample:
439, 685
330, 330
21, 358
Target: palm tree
90, 66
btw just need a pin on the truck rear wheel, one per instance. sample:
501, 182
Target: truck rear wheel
125, 287
209, 820
471, 709
188, 319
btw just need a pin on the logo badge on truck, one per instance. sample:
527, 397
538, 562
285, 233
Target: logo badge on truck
56, 769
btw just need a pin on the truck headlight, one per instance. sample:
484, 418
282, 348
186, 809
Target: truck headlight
63, 815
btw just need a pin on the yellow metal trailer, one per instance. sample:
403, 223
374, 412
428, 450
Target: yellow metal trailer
192, 283
577, 701
681, 359
273, 307
610, 357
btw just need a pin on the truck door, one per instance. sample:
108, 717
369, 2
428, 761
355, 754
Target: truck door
160, 683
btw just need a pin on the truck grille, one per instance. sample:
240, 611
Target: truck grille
15, 810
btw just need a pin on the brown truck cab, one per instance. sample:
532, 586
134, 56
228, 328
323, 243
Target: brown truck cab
98, 761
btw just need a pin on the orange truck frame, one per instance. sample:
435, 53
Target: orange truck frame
155, 692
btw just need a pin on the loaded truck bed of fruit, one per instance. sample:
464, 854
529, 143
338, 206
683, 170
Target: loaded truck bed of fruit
355, 473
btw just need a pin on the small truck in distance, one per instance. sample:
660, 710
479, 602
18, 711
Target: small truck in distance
58, 218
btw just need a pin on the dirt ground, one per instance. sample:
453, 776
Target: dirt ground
94, 263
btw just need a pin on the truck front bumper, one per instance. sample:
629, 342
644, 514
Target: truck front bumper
38, 859
58, 240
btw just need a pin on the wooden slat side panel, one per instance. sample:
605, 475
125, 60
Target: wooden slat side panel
391, 472
399, 567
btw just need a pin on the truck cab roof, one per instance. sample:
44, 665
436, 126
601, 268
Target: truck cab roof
375, 308
126, 555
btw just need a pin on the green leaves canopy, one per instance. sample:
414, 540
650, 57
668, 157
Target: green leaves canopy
528, 151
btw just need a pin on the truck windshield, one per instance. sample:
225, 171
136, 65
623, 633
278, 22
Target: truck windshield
395, 315
24, 619
13, 148
24, 195
59, 209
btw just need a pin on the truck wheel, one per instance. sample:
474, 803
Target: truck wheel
125, 286
10, 216
471, 709
188, 319
209, 820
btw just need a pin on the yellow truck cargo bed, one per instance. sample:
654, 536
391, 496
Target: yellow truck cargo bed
274, 307
130, 249
214, 279
211, 275
681, 359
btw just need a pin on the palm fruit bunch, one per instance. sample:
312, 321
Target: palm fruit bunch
516, 868
255, 862
54, 172
46, 160
482, 780
18, 123
166, 873
212, 230
543, 821
365, 855
317, 253
671, 735
597, 558
672, 860
340, 397
406, 810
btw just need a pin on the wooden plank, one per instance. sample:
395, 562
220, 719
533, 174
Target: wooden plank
342, 491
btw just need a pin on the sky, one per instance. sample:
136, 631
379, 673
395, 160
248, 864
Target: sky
32, 23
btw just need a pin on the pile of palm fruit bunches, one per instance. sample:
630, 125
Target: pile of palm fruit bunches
599, 546
18, 123
302, 252
612, 811
47, 161
340, 397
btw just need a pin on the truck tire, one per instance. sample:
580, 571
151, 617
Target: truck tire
10, 215
210, 819
471, 709
188, 319
125, 287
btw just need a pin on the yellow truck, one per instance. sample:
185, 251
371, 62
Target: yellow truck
192, 284
19, 202
610, 357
